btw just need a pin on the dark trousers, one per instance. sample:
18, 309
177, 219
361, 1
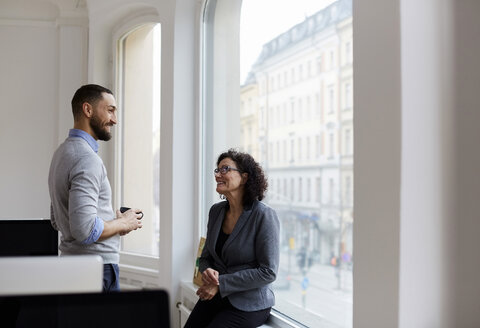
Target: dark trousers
111, 275
219, 313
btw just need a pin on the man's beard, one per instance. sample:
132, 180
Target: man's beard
99, 129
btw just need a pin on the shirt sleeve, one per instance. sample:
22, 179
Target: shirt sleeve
85, 180
52, 218
96, 232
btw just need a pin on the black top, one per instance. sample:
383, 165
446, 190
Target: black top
222, 238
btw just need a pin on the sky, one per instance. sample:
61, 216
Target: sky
263, 20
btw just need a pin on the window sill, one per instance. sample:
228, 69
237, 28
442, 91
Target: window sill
138, 271
189, 298
140, 260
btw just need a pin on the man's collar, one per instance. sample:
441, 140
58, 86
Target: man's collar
77, 133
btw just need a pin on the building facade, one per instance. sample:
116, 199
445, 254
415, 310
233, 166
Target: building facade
297, 120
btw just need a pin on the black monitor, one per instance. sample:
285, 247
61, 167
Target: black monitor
27, 237
143, 308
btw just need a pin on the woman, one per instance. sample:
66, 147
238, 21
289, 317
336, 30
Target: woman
241, 253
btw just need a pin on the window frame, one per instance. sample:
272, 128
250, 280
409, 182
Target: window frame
148, 265
207, 102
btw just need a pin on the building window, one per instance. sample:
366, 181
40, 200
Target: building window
318, 190
309, 190
300, 190
319, 65
318, 147
331, 100
292, 150
292, 188
309, 108
348, 52
300, 152
332, 59
307, 150
292, 111
331, 187
348, 141
300, 109
348, 191
331, 144
348, 96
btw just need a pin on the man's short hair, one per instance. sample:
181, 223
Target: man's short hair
90, 93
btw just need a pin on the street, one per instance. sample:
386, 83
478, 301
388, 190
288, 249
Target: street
315, 300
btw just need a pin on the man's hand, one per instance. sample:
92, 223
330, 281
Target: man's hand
129, 220
122, 224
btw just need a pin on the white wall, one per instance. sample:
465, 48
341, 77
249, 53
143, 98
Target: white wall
426, 254
377, 133
464, 262
38, 58
417, 81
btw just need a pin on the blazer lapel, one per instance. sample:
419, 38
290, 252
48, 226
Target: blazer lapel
215, 232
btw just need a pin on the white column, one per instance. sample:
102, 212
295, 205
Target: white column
377, 102
426, 185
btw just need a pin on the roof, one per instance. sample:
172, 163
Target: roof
321, 20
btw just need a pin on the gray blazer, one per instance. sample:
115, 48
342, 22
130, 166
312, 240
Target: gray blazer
250, 256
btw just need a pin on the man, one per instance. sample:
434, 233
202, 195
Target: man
80, 193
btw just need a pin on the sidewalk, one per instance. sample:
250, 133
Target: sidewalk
316, 299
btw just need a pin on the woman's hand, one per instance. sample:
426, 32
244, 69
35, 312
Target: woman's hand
210, 277
207, 292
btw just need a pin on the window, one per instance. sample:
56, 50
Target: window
318, 104
331, 186
307, 151
311, 91
318, 190
300, 190
300, 152
348, 96
332, 59
300, 110
292, 110
348, 142
348, 190
319, 64
331, 143
138, 149
348, 52
292, 189
309, 189
292, 150
318, 147
309, 108
331, 100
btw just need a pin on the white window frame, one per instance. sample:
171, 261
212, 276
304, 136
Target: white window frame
146, 265
224, 86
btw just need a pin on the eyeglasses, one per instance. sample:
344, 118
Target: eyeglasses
225, 169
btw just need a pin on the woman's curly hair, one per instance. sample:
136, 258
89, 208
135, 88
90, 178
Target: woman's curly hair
257, 184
